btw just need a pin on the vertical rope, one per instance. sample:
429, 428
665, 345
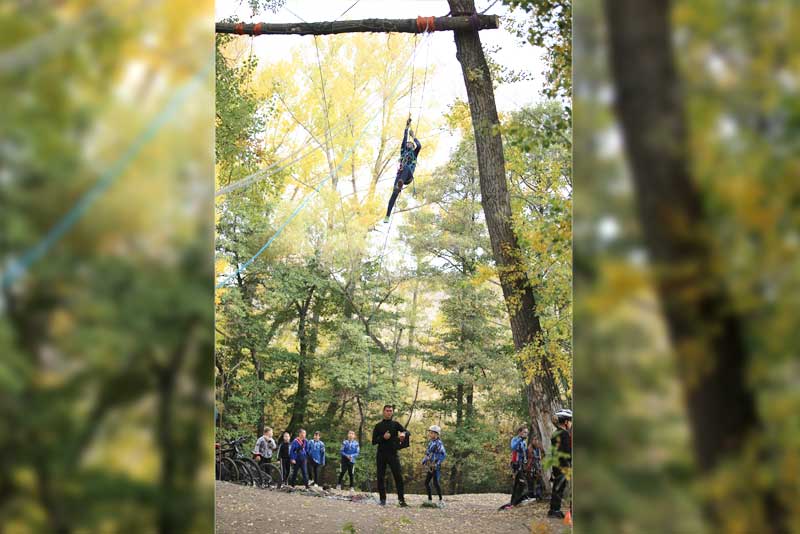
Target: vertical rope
422, 97
413, 66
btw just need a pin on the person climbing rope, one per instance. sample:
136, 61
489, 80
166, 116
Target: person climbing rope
408, 162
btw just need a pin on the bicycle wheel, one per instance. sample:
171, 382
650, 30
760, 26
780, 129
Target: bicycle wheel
272, 477
245, 476
229, 472
255, 471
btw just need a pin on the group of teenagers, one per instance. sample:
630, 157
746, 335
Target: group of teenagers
306, 457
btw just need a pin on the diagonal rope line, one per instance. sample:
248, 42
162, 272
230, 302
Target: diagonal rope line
62, 37
18, 267
348, 9
295, 156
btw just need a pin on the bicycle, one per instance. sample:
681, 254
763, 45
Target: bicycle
271, 475
247, 471
225, 467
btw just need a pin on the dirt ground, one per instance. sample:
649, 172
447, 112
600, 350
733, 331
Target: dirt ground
245, 510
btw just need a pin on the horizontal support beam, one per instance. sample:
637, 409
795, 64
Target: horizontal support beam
418, 25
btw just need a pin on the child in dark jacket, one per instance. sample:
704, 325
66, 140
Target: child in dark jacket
298, 457
349, 452
283, 456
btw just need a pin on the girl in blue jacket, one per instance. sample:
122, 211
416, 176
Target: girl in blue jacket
316, 455
349, 452
434, 456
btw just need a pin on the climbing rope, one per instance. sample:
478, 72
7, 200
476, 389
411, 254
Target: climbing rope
411, 92
297, 155
422, 99
17, 268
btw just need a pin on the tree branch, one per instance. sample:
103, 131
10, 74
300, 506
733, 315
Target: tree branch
481, 22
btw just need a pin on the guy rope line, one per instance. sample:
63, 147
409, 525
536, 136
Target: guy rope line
279, 165
18, 267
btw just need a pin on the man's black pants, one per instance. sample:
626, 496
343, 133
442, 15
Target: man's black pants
393, 461
559, 481
347, 467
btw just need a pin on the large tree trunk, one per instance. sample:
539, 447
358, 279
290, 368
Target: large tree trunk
306, 336
706, 331
260, 380
543, 393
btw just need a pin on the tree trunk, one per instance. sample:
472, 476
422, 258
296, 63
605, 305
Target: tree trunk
454, 478
50, 500
543, 394
307, 340
260, 402
459, 401
480, 22
169, 517
705, 330
361, 419
470, 392
330, 413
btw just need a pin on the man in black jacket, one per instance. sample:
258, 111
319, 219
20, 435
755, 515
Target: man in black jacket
388, 435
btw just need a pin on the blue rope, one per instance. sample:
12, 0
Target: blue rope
297, 210
17, 268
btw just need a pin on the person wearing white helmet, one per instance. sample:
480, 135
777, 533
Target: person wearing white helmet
434, 456
562, 445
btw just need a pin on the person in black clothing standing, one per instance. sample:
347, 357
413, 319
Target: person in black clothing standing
283, 455
562, 444
389, 436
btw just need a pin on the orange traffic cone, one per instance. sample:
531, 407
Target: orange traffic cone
568, 518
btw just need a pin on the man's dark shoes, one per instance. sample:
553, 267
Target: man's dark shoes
403, 504
556, 513
383, 503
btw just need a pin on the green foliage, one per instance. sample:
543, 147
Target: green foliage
103, 340
259, 6
416, 318
730, 60
538, 164
549, 26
